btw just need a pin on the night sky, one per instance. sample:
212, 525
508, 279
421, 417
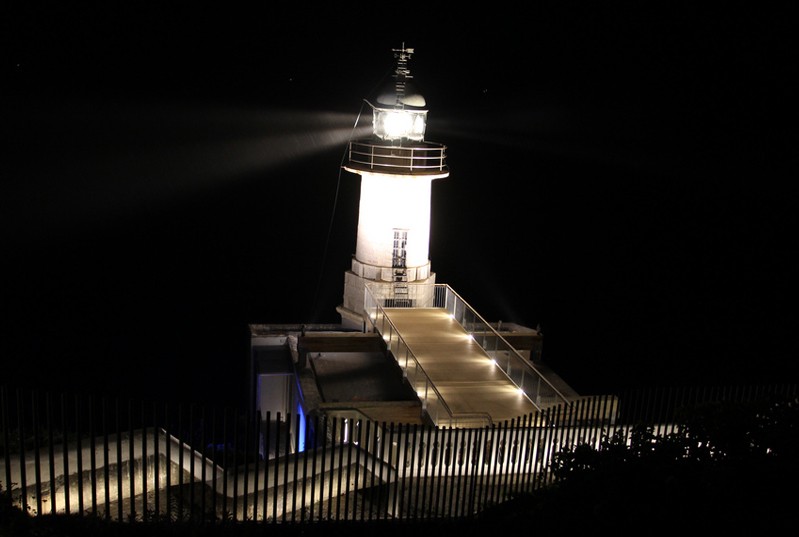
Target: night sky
624, 178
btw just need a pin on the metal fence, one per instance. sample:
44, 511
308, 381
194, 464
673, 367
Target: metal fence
141, 461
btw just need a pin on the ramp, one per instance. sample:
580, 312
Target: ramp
461, 371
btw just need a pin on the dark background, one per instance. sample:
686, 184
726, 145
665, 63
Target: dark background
623, 177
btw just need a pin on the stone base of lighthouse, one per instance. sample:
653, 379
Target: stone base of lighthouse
420, 281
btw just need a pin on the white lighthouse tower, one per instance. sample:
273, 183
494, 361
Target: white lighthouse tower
397, 167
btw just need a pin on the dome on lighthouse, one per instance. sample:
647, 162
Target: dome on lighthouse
403, 94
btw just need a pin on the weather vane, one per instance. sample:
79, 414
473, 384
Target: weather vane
401, 72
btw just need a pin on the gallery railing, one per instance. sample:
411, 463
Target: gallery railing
422, 158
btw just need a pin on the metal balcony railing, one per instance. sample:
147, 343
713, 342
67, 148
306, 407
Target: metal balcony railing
423, 158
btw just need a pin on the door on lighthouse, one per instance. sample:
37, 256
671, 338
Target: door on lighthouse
400, 298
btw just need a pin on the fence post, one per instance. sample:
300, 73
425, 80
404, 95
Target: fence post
51, 453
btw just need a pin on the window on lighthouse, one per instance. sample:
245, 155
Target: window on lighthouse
399, 253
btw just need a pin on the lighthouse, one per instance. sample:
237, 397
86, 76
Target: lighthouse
408, 349
397, 168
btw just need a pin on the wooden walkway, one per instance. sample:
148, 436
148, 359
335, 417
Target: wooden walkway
458, 367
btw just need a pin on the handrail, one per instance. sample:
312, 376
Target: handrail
524, 362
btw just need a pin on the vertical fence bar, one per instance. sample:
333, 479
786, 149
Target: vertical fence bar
51, 452
350, 423
569, 416
522, 443
276, 468
214, 479
421, 458
483, 460
267, 451
257, 456
543, 439
235, 463
320, 432
593, 423
439, 472
655, 410
392, 507
7, 451
286, 453
533, 452
658, 410
357, 442
23, 482
156, 467
106, 475
648, 407
604, 418
363, 440
6, 439
490, 453
118, 425
304, 453
93, 454
539, 445
588, 424
425, 454
499, 460
37, 464
180, 497
64, 449
79, 434
506, 448
340, 445
328, 425
296, 464
411, 506
404, 455
204, 461
586, 420
470, 467
385, 466
313, 466
164, 431
374, 449
427, 470
193, 439
474, 461
461, 458
451, 505
245, 506
527, 448
434, 474
224, 463
144, 510
612, 409
131, 462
